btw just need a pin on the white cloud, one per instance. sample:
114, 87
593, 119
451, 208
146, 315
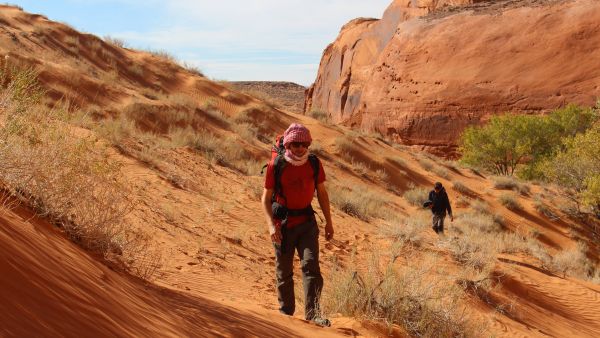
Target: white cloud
239, 30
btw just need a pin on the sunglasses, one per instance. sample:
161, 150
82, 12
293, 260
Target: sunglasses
298, 144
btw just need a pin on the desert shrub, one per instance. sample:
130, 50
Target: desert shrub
542, 208
192, 69
577, 168
359, 201
115, 130
416, 196
573, 262
182, 137
211, 109
65, 178
425, 164
115, 41
344, 144
136, 69
461, 187
509, 141
360, 168
462, 201
399, 161
381, 175
163, 54
483, 222
441, 172
407, 230
510, 183
246, 131
480, 206
510, 201
425, 304
183, 100
471, 245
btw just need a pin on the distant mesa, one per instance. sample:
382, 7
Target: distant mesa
287, 96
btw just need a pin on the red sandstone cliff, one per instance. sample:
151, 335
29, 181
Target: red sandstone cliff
421, 75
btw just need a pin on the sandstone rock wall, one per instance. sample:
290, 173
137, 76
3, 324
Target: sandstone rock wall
422, 74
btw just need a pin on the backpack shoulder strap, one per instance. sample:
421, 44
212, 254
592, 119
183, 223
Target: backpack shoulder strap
315, 163
278, 164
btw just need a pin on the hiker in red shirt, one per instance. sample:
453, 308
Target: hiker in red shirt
289, 189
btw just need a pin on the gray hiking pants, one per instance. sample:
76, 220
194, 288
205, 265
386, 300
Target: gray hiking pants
305, 239
438, 222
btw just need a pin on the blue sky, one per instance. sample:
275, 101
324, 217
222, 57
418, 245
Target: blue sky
278, 40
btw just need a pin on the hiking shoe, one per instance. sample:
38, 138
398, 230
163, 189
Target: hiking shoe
324, 322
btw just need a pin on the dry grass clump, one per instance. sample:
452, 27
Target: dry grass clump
115, 41
116, 130
510, 183
408, 230
426, 164
472, 248
359, 167
510, 201
573, 262
480, 207
416, 196
441, 172
542, 208
423, 302
320, 115
461, 187
68, 179
381, 175
462, 201
483, 222
246, 131
345, 144
397, 160
358, 201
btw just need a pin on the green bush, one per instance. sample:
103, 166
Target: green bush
509, 141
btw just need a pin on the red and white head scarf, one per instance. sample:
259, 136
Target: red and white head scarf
296, 132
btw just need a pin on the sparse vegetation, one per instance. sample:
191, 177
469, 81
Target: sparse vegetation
510, 183
426, 164
320, 115
423, 306
441, 172
408, 230
461, 187
510, 201
358, 201
416, 196
115, 41
510, 141
43, 163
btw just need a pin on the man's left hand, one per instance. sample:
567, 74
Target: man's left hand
328, 231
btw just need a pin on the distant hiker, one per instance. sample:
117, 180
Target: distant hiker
291, 180
438, 203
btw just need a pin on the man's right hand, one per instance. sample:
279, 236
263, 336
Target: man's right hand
275, 233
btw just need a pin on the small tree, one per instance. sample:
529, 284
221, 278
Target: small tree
523, 140
502, 144
577, 167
